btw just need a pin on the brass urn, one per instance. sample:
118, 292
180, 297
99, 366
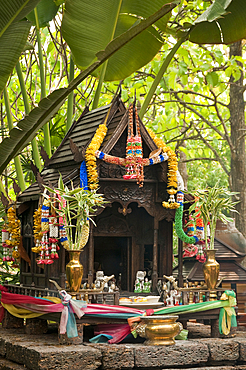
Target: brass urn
74, 271
211, 270
160, 329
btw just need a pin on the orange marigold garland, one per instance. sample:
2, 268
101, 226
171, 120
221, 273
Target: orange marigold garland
13, 229
172, 181
37, 230
90, 157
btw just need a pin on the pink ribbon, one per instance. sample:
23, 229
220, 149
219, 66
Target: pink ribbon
66, 300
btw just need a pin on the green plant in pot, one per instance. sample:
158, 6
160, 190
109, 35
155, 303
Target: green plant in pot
74, 206
212, 204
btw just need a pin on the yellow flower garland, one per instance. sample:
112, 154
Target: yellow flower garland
37, 229
172, 170
13, 228
91, 163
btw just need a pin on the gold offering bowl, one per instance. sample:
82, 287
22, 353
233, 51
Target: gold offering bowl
160, 330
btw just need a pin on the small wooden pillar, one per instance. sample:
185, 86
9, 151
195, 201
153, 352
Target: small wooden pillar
180, 263
62, 276
155, 254
91, 256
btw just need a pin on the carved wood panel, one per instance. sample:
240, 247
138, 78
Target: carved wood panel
111, 225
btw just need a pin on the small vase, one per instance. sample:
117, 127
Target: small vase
74, 271
160, 330
211, 269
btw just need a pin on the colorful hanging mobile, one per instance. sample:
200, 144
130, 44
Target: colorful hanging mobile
134, 161
179, 224
62, 231
44, 254
134, 150
189, 238
53, 237
190, 250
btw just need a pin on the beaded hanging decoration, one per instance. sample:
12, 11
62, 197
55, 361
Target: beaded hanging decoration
83, 176
6, 256
134, 150
178, 222
190, 250
53, 237
45, 258
134, 161
190, 239
11, 244
62, 231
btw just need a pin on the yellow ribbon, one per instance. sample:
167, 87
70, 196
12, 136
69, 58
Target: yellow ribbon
25, 313
228, 312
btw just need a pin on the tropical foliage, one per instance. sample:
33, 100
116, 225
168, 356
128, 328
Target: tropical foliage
76, 206
184, 90
212, 204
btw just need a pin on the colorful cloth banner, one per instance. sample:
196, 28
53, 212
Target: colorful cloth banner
29, 307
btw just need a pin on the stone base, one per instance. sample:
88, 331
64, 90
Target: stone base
10, 321
36, 326
215, 333
19, 351
9, 365
64, 340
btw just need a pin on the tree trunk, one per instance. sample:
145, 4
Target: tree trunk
237, 121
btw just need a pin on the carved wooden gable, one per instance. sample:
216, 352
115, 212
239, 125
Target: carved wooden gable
116, 146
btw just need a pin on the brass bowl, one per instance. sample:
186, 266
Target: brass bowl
160, 329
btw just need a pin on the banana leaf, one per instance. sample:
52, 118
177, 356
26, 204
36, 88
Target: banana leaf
87, 27
46, 10
12, 42
224, 22
26, 129
13, 34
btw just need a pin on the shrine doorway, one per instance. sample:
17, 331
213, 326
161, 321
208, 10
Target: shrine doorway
111, 255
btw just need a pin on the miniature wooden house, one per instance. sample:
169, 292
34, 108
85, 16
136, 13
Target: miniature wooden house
230, 247
133, 232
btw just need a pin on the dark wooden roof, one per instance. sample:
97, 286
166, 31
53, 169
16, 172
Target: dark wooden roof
81, 133
225, 251
228, 257
230, 271
234, 240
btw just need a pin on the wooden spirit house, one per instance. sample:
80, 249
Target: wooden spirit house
133, 232
230, 247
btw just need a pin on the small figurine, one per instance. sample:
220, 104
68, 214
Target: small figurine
171, 294
101, 281
146, 286
140, 275
169, 299
137, 286
177, 297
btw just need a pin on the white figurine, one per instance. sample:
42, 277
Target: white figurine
140, 280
